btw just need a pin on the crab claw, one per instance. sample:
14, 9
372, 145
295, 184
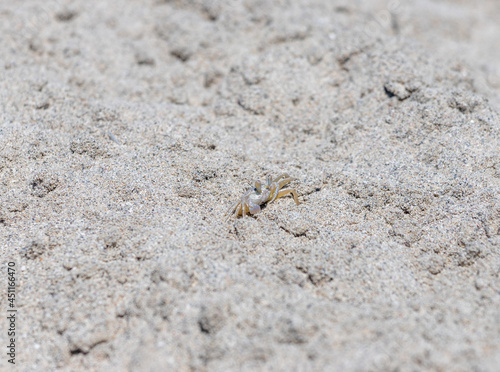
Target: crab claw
254, 208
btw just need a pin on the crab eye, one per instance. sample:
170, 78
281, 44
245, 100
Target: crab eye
258, 186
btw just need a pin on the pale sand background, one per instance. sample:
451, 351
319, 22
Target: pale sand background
128, 128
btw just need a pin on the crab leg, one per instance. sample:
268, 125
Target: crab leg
274, 193
289, 191
246, 209
269, 180
285, 181
284, 175
231, 209
278, 186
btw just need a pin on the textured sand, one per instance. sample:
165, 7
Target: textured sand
129, 127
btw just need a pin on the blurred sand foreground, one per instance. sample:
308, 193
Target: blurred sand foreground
129, 127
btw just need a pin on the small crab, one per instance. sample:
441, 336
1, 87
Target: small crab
259, 194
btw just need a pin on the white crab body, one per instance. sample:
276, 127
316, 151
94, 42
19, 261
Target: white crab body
251, 201
255, 200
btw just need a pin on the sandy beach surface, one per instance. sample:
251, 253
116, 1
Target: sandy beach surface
128, 128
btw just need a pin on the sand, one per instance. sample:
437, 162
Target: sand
128, 128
